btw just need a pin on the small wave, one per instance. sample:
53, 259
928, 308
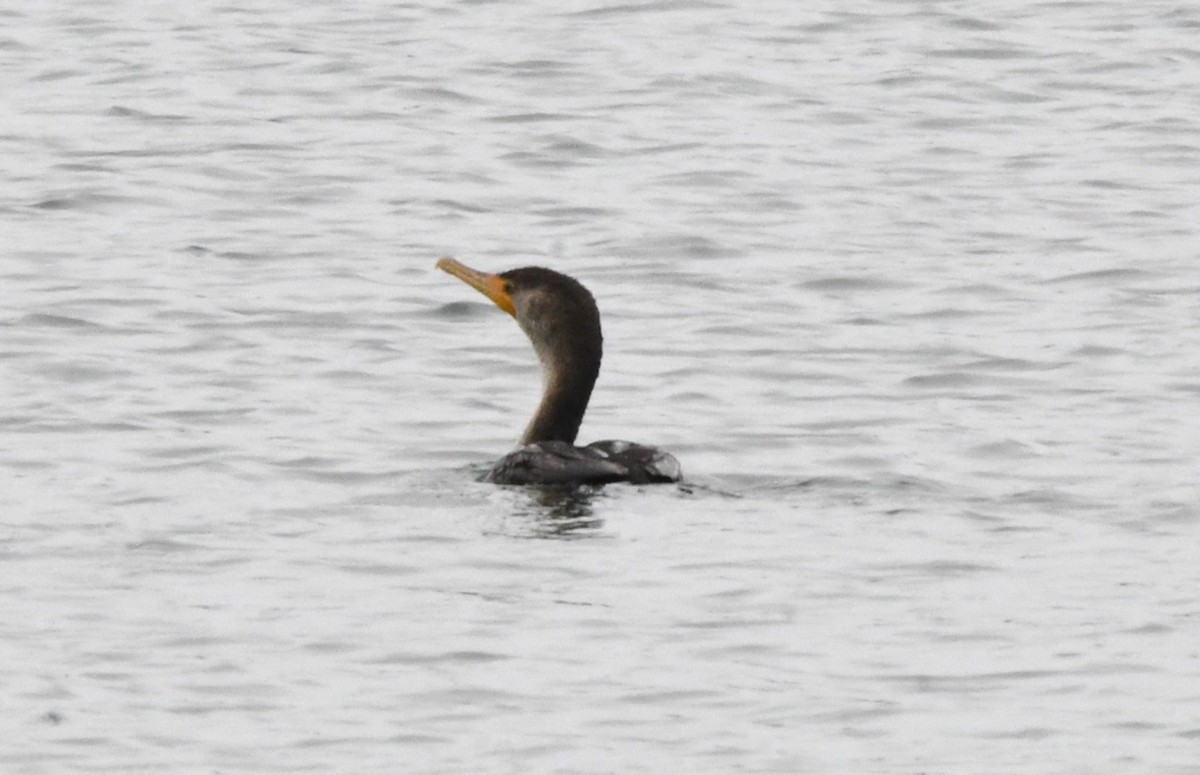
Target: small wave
1102, 276
41, 319
852, 284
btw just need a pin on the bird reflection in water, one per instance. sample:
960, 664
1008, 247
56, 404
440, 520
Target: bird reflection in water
558, 512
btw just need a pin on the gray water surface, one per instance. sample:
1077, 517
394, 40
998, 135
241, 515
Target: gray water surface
910, 289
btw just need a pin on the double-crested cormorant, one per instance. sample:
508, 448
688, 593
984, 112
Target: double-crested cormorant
560, 318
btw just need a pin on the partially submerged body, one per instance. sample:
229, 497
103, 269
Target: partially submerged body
562, 322
601, 462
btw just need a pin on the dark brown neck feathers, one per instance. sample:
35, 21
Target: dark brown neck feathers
562, 322
568, 389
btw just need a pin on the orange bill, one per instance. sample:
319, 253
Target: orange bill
490, 285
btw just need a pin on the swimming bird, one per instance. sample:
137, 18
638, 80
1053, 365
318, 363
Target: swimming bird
562, 322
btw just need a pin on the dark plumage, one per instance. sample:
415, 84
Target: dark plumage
562, 322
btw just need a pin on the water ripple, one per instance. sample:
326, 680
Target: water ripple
910, 291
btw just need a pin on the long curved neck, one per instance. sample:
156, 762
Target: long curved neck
569, 376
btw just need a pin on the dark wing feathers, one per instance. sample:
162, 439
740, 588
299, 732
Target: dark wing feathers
603, 462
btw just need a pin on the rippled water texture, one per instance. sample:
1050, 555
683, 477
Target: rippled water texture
911, 290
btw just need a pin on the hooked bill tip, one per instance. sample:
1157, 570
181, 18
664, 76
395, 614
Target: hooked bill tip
490, 285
